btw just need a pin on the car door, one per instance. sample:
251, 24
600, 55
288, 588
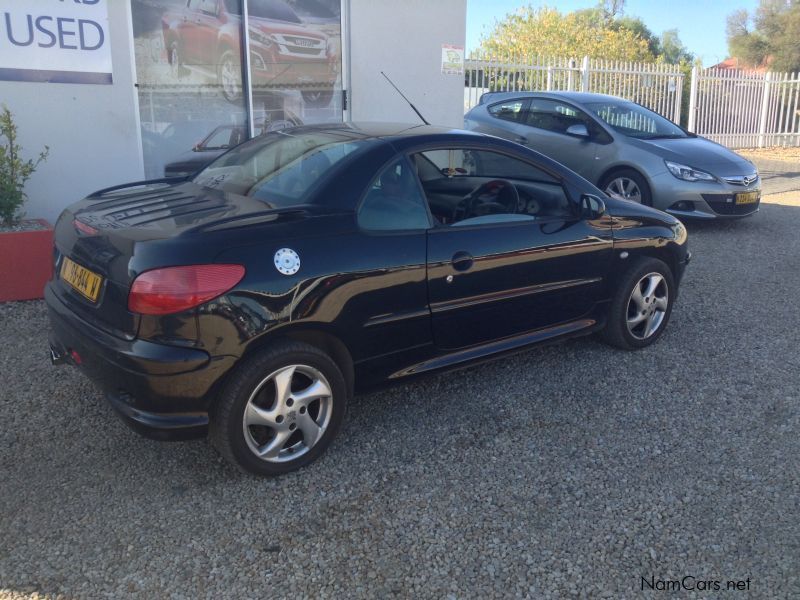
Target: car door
207, 21
490, 276
199, 32
388, 306
546, 123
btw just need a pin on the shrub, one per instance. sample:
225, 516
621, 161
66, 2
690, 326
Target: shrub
14, 171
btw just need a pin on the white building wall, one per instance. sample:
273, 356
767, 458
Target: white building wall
92, 130
404, 39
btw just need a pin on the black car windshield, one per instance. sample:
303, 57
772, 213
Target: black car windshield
635, 121
280, 168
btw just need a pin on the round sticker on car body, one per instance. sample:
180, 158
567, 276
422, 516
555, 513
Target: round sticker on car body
287, 261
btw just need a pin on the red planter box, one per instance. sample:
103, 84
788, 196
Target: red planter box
26, 262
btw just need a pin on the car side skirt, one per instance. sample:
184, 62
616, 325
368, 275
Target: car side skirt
376, 374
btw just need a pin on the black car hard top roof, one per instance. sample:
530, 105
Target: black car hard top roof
380, 130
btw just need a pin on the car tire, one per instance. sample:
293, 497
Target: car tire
175, 60
266, 432
229, 73
627, 184
638, 320
317, 98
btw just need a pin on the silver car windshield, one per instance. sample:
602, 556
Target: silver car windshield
635, 121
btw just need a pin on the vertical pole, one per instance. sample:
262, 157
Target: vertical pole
585, 74
344, 45
693, 102
570, 74
762, 122
549, 78
245, 37
678, 97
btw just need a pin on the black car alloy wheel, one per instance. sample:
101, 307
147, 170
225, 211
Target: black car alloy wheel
641, 306
280, 409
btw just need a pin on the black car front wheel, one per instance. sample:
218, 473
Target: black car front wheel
641, 306
279, 410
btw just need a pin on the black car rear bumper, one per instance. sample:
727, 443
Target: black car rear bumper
160, 391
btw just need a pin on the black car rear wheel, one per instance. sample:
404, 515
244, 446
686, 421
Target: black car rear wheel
641, 306
279, 410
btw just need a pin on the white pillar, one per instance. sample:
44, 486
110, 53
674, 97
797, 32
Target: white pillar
585, 74
692, 125
762, 122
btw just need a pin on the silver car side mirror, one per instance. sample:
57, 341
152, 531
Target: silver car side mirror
578, 130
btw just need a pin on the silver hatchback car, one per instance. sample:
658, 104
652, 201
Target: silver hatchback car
626, 150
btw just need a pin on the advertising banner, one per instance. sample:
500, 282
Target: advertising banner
55, 41
189, 71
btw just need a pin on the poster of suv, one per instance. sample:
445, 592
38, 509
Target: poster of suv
190, 70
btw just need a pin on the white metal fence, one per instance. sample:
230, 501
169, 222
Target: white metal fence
745, 110
736, 108
657, 86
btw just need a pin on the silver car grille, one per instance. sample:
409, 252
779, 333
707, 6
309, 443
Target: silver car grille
744, 180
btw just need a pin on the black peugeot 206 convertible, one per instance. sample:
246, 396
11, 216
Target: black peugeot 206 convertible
250, 301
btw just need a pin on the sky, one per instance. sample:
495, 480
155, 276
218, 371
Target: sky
700, 23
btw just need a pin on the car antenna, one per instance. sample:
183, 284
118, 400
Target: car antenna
419, 114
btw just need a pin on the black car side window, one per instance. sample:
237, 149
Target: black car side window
394, 201
465, 186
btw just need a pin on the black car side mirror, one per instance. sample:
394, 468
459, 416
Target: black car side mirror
578, 130
592, 207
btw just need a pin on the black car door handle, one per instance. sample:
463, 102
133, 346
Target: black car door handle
462, 261
521, 139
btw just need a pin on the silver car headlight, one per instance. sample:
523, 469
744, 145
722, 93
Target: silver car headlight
688, 173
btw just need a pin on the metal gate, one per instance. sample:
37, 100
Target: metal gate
654, 85
742, 109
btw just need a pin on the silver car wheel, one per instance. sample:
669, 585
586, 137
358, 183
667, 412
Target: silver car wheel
287, 413
624, 188
647, 306
229, 77
174, 62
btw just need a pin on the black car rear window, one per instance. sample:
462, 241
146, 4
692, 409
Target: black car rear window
281, 169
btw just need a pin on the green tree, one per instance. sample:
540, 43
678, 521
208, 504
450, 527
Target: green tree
546, 32
769, 36
672, 50
599, 32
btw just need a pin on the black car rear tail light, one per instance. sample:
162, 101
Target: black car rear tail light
176, 289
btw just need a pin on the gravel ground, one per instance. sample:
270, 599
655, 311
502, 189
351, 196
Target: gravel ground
784, 153
572, 470
777, 176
